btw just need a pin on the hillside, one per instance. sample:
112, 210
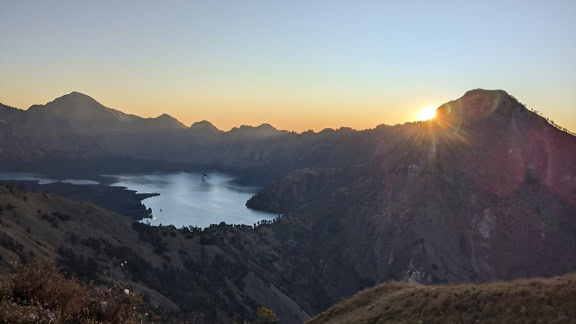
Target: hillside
38, 293
214, 275
530, 300
484, 192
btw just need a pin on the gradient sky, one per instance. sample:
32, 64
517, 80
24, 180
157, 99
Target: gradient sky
295, 64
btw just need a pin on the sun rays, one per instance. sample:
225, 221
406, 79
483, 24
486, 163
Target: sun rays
426, 113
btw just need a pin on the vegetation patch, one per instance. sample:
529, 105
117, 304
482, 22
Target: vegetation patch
38, 293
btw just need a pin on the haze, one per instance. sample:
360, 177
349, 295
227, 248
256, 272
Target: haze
295, 64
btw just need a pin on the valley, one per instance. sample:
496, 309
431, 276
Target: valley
486, 191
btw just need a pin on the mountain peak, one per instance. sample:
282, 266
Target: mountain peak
483, 92
167, 121
202, 123
165, 116
204, 127
70, 102
77, 97
77, 93
478, 104
266, 126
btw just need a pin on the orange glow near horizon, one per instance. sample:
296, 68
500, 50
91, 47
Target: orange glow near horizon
297, 65
294, 113
426, 113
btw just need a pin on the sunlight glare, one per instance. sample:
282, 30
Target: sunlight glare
427, 113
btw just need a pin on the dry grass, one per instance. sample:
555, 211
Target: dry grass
521, 301
38, 293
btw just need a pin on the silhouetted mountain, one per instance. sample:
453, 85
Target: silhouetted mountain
486, 191
79, 113
84, 115
76, 126
163, 122
7, 111
204, 128
262, 131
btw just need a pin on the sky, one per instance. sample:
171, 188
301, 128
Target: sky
297, 65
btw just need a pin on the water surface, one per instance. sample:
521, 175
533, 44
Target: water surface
186, 198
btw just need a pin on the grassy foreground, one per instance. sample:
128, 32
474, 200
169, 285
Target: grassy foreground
521, 301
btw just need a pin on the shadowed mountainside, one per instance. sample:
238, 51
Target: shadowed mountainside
219, 274
486, 191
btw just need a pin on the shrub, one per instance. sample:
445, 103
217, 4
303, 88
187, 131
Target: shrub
38, 293
265, 316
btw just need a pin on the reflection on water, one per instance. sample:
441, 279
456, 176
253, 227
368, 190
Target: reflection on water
186, 198
194, 198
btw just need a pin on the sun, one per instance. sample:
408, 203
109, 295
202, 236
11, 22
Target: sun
427, 113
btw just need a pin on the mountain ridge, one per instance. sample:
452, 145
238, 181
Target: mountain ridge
79, 99
486, 191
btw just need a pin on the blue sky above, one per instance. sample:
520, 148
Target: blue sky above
295, 64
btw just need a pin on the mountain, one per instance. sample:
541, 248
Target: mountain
262, 131
76, 126
533, 300
8, 111
205, 126
486, 191
85, 115
163, 122
185, 275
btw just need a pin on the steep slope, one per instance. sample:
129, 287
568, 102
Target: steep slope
209, 276
535, 300
485, 192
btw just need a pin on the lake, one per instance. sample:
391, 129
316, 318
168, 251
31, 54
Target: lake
186, 198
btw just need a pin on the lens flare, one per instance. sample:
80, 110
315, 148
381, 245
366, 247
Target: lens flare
427, 113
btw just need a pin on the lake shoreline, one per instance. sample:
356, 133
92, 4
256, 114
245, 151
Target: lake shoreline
118, 199
159, 198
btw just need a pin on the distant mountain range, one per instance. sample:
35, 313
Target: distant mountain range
486, 191
77, 112
75, 126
